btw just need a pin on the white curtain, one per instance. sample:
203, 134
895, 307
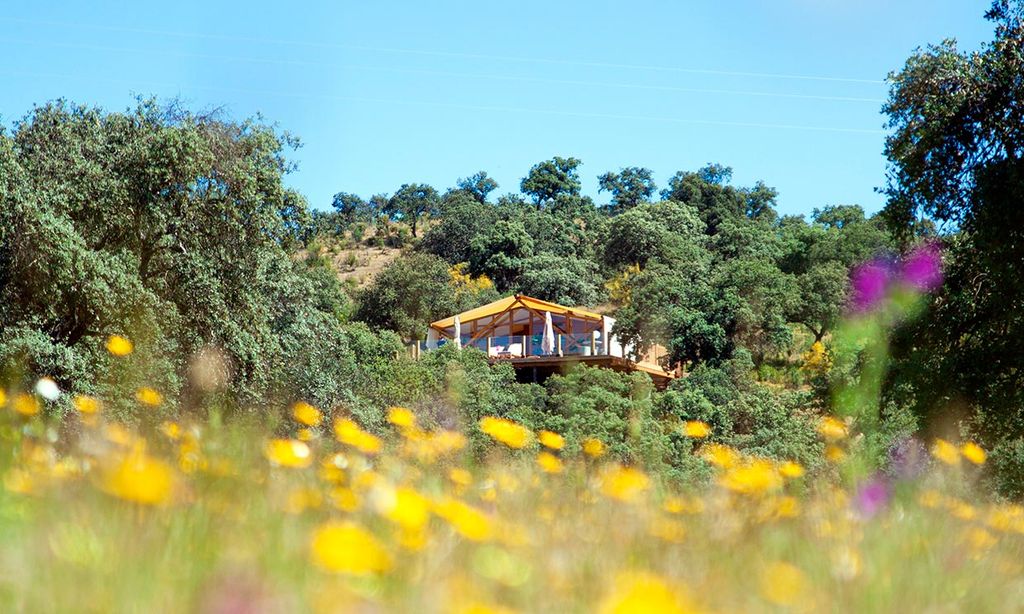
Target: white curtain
458, 332
606, 334
431, 338
548, 342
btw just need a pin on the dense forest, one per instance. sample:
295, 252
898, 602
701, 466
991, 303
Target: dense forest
175, 229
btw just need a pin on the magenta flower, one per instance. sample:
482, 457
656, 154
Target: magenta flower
923, 268
872, 497
870, 282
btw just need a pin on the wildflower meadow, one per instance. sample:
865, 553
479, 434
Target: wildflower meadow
319, 515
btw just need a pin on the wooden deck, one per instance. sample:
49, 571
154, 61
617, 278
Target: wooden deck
537, 368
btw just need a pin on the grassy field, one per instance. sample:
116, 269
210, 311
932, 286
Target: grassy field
330, 518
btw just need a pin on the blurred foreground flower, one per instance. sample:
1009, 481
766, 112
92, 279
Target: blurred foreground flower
973, 452
349, 433
149, 396
638, 592
48, 389
832, 428
696, 429
946, 452
26, 404
344, 547
624, 483
872, 282
594, 448
306, 414
783, 584
401, 417
140, 478
752, 478
505, 431
86, 405
549, 463
872, 497
551, 440
119, 346
922, 270
288, 453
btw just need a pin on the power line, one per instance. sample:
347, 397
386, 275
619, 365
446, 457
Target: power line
436, 53
487, 108
249, 59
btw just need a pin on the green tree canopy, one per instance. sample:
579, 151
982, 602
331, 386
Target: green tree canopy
165, 226
411, 202
552, 178
407, 295
629, 187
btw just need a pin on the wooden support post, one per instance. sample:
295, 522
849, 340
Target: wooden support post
593, 343
488, 346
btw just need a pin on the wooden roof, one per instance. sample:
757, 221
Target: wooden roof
513, 302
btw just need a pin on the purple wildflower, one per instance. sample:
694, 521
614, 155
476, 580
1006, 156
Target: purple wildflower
908, 459
872, 497
923, 268
870, 282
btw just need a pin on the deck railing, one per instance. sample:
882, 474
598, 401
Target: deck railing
523, 346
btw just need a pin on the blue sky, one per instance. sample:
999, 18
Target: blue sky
385, 93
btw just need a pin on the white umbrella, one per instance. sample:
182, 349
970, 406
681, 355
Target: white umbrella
548, 342
431, 338
606, 333
458, 332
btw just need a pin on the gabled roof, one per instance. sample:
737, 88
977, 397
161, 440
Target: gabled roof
513, 302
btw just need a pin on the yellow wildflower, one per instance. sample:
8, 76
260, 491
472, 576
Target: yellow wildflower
624, 483
973, 452
946, 452
460, 476
149, 396
304, 434
349, 433
306, 414
3, 397
720, 456
140, 478
834, 454
26, 404
979, 540
402, 506
551, 440
549, 463
787, 507
832, 428
592, 447
640, 592
753, 478
783, 584
288, 453
171, 429
468, 521
344, 547
86, 405
505, 431
119, 346
401, 417
791, 469
345, 499
696, 429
